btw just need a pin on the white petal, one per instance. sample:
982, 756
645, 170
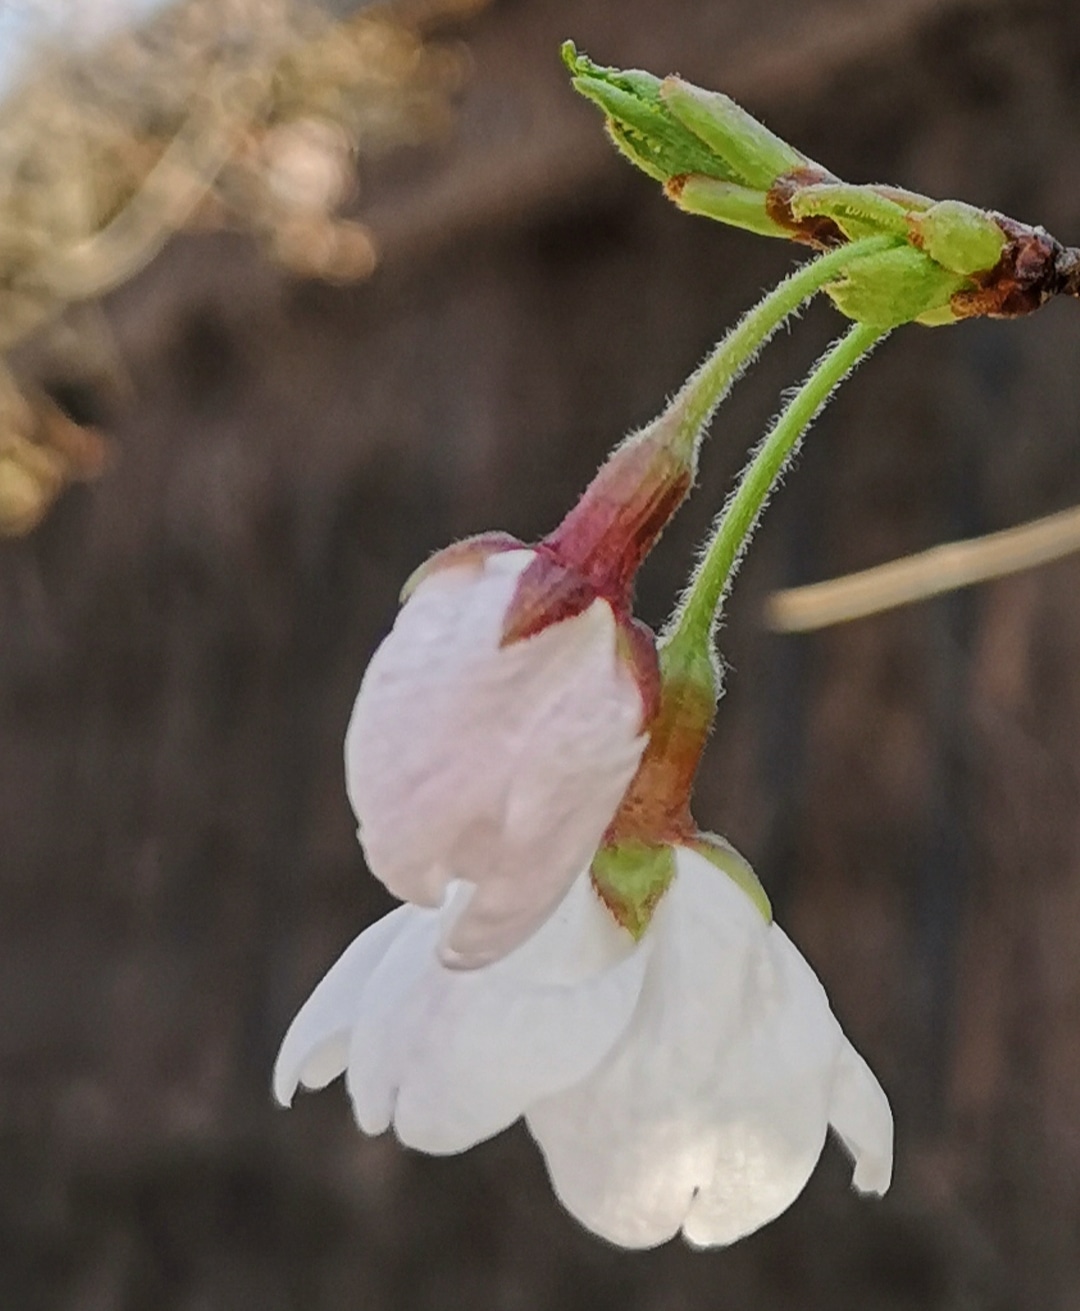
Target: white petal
791, 1072
315, 1049
380, 1022
860, 1114
627, 1147
770, 1105
500, 766
452, 1058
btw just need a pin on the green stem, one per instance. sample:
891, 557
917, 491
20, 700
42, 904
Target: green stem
697, 399
691, 629
641, 484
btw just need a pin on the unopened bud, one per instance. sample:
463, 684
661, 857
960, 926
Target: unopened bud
727, 202
894, 287
754, 156
641, 124
958, 236
952, 260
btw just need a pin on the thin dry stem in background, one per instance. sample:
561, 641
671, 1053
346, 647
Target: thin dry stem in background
239, 113
929, 573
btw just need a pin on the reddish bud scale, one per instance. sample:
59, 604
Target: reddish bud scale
1028, 274
818, 231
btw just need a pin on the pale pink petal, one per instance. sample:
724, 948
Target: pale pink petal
413, 764
451, 1058
583, 722
315, 1049
498, 765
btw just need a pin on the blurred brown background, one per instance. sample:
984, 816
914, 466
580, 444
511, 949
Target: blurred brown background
180, 643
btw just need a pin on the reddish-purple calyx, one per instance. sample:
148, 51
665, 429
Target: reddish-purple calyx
623, 511
594, 554
598, 548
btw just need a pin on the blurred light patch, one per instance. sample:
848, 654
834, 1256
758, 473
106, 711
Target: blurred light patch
124, 121
29, 27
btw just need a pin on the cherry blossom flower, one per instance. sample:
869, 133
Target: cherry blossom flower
521, 760
685, 1081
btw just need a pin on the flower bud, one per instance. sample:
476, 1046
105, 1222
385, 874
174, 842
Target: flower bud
716, 160
894, 287
755, 156
958, 236
674, 130
641, 124
726, 202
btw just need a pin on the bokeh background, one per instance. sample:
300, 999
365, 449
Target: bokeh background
181, 640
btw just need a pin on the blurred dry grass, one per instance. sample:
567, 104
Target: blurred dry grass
240, 113
924, 575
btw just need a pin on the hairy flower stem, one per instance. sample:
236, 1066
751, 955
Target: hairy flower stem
598, 548
697, 399
656, 807
694, 621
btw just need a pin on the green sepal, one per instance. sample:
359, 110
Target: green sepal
941, 317
638, 122
958, 236
755, 156
893, 287
857, 211
740, 207
630, 878
912, 202
630, 145
719, 852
